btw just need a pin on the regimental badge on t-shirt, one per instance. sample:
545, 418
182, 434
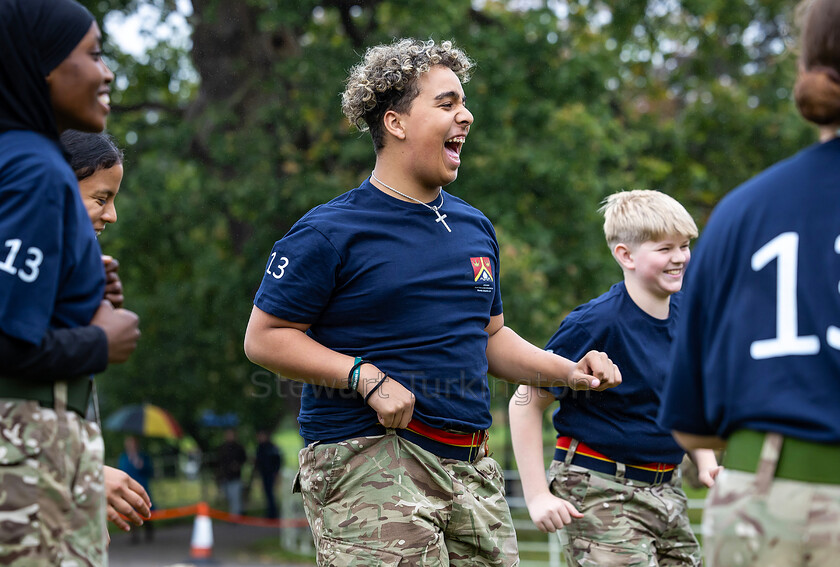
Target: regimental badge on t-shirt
483, 274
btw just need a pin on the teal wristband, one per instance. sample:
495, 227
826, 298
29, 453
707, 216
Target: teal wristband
355, 373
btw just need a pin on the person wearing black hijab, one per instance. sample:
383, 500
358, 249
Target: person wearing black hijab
36, 36
55, 328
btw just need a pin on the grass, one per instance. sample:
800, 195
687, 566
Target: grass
269, 550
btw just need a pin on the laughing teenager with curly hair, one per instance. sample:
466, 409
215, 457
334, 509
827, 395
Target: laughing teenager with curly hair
386, 303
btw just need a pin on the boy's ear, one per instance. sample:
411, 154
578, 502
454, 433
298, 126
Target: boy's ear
624, 256
392, 120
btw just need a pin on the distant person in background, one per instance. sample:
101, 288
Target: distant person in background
231, 456
267, 464
138, 465
756, 365
56, 330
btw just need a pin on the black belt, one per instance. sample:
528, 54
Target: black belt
610, 468
446, 444
78, 392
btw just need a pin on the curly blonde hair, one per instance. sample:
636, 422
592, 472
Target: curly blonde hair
386, 79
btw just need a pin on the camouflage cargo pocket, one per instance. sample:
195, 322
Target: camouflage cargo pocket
587, 552
317, 469
20, 445
492, 472
334, 553
569, 482
296, 483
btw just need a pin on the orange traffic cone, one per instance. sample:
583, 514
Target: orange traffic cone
201, 546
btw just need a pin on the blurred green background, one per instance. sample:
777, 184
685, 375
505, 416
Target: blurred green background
230, 118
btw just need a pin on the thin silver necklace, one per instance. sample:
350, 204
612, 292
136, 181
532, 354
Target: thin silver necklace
430, 207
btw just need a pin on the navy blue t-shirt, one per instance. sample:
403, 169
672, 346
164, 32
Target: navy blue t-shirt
51, 273
758, 345
619, 422
377, 277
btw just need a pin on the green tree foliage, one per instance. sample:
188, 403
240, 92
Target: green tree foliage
233, 137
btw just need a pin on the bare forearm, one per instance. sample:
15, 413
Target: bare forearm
526, 436
514, 359
293, 354
283, 346
704, 459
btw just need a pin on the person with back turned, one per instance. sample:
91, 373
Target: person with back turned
756, 366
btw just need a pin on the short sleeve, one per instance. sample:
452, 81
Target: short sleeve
31, 225
300, 276
496, 308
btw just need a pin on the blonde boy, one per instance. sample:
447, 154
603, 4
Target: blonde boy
614, 482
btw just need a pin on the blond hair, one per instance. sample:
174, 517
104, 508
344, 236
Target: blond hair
634, 217
386, 79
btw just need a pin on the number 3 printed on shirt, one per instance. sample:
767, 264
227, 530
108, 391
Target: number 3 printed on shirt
787, 341
833, 335
33, 260
281, 265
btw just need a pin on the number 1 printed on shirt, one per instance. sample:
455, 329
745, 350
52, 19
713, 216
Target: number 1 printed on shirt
785, 249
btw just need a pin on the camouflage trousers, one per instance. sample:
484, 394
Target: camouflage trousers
382, 500
753, 519
625, 522
52, 504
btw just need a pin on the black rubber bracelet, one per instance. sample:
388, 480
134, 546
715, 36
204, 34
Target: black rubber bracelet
375, 388
351, 384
